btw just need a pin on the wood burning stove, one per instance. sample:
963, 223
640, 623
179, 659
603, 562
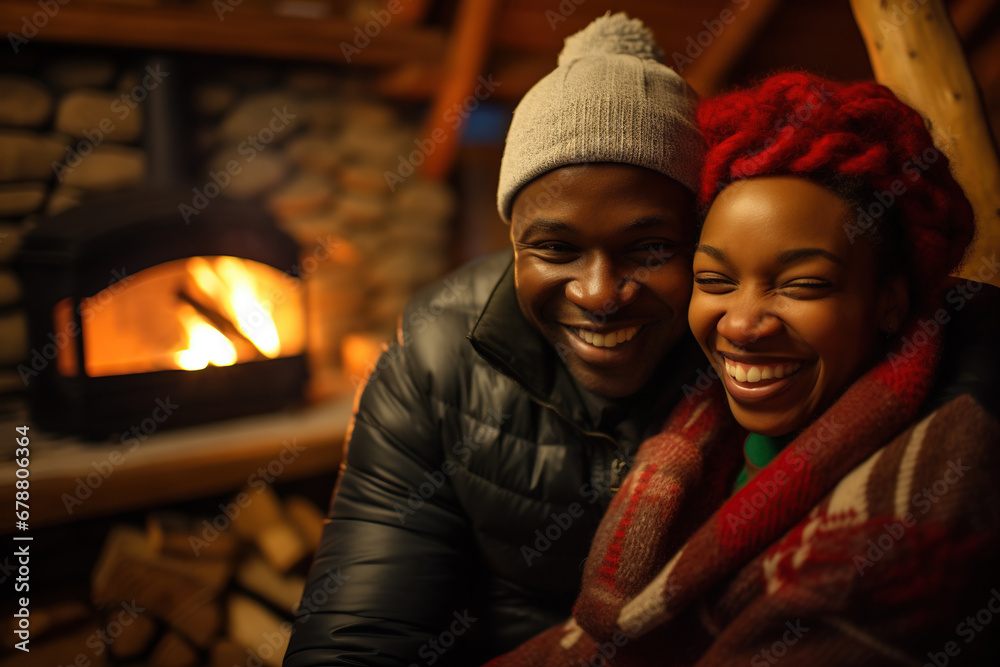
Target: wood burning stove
129, 306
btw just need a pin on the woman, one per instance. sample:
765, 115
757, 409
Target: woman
850, 516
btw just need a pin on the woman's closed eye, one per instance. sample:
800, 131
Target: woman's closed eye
805, 288
714, 283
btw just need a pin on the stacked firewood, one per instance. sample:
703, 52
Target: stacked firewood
184, 592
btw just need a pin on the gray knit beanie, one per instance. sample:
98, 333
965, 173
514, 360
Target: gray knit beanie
609, 100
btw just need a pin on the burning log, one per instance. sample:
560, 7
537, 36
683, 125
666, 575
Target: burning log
246, 350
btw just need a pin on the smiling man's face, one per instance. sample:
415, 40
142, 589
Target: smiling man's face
603, 269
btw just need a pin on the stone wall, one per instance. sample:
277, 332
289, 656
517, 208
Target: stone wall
69, 129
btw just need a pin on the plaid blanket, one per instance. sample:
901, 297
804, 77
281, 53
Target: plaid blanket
868, 541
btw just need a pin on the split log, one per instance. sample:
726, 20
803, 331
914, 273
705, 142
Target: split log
175, 534
174, 651
135, 638
306, 517
226, 653
915, 51
262, 521
255, 575
182, 592
128, 543
256, 629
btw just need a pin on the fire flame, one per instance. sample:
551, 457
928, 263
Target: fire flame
252, 315
233, 289
192, 313
206, 344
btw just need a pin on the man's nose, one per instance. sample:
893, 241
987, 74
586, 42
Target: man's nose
602, 287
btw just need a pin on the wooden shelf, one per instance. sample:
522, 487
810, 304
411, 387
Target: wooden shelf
172, 465
245, 31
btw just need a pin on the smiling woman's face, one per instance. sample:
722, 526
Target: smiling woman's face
787, 308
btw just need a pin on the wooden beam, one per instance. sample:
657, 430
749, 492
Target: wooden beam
467, 51
198, 461
240, 31
708, 72
917, 54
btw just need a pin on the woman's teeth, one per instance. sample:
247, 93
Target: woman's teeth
747, 373
610, 339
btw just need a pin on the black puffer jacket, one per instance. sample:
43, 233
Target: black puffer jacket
475, 477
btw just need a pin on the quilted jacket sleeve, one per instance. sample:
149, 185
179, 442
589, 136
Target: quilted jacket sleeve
388, 584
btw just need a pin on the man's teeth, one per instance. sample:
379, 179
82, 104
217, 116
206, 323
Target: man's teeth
746, 373
610, 339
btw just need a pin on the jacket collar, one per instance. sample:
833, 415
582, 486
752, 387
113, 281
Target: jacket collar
505, 338
508, 342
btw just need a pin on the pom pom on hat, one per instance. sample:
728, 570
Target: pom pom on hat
612, 100
611, 35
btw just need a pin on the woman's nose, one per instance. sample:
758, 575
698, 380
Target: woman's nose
748, 319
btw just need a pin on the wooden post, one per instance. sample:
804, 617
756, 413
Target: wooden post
915, 51
469, 45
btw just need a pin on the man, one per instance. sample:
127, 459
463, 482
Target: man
489, 441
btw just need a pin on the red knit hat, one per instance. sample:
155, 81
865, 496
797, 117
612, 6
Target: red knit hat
800, 124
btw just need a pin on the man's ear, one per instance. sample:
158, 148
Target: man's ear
894, 304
